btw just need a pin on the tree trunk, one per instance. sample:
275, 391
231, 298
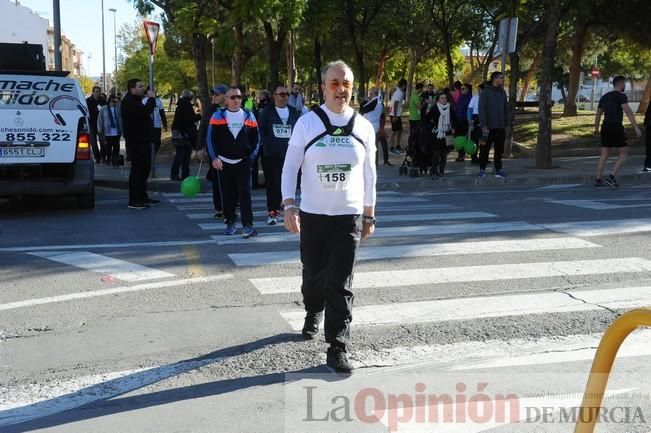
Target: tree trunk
237, 63
413, 62
535, 65
447, 46
646, 96
578, 45
317, 66
275, 47
379, 70
544, 144
513, 94
199, 45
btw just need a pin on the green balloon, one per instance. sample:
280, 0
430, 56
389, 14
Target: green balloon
190, 186
459, 142
469, 147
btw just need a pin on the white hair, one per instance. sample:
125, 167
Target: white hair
186, 94
339, 64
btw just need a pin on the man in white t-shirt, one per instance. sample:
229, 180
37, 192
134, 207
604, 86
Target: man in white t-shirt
335, 149
395, 113
159, 120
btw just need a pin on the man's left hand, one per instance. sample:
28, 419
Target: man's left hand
367, 230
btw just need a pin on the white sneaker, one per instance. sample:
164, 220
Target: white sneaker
271, 221
279, 217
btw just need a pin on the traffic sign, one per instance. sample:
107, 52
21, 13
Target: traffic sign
595, 71
151, 30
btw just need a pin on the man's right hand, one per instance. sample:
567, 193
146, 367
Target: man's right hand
292, 220
151, 94
217, 164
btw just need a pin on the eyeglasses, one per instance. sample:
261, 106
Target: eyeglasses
285, 94
233, 97
334, 85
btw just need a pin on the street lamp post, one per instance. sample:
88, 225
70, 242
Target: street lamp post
57, 35
115, 45
103, 53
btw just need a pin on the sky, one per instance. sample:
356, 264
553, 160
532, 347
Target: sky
81, 21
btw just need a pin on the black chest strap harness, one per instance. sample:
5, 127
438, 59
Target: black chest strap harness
334, 131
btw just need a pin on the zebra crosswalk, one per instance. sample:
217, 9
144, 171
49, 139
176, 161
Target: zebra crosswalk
414, 234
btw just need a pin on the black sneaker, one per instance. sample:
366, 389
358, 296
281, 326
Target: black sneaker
599, 184
337, 360
613, 181
137, 206
219, 215
311, 325
152, 202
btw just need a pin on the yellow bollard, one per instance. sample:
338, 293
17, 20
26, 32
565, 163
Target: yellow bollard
603, 363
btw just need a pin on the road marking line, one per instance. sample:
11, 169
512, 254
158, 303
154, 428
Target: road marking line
388, 232
510, 271
470, 355
489, 307
120, 269
380, 211
558, 186
260, 197
112, 291
423, 217
602, 228
380, 199
388, 208
41, 400
598, 205
104, 246
423, 250
194, 261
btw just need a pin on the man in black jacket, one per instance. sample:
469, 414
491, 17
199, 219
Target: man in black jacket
232, 145
138, 125
276, 123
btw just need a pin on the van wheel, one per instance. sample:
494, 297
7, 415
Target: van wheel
86, 201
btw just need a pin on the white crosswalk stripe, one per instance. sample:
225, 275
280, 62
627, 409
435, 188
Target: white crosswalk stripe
422, 217
422, 250
491, 306
392, 232
119, 269
511, 271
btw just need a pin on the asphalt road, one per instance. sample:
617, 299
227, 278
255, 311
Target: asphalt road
119, 320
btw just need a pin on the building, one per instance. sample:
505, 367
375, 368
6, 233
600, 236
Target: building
70, 55
21, 24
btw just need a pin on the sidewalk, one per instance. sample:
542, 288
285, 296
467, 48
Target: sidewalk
521, 171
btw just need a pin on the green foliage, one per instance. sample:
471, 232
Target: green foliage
172, 74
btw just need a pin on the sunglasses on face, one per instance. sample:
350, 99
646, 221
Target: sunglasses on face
285, 94
233, 97
334, 85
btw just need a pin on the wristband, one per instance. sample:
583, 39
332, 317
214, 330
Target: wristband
369, 220
289, 206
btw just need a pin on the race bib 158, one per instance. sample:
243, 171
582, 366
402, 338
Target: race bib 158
334, 176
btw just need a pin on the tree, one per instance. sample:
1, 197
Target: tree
449, 17
359, 16
544, 144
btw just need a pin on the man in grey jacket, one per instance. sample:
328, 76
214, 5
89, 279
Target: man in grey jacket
493, 116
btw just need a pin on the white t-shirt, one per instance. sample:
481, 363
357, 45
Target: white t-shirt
283, 113
374, 116
474, 104
338, 172
235, 122
155, 115
398, 96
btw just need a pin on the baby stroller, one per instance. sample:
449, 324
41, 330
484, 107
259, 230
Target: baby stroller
418, 157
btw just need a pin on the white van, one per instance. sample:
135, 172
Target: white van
44, 142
